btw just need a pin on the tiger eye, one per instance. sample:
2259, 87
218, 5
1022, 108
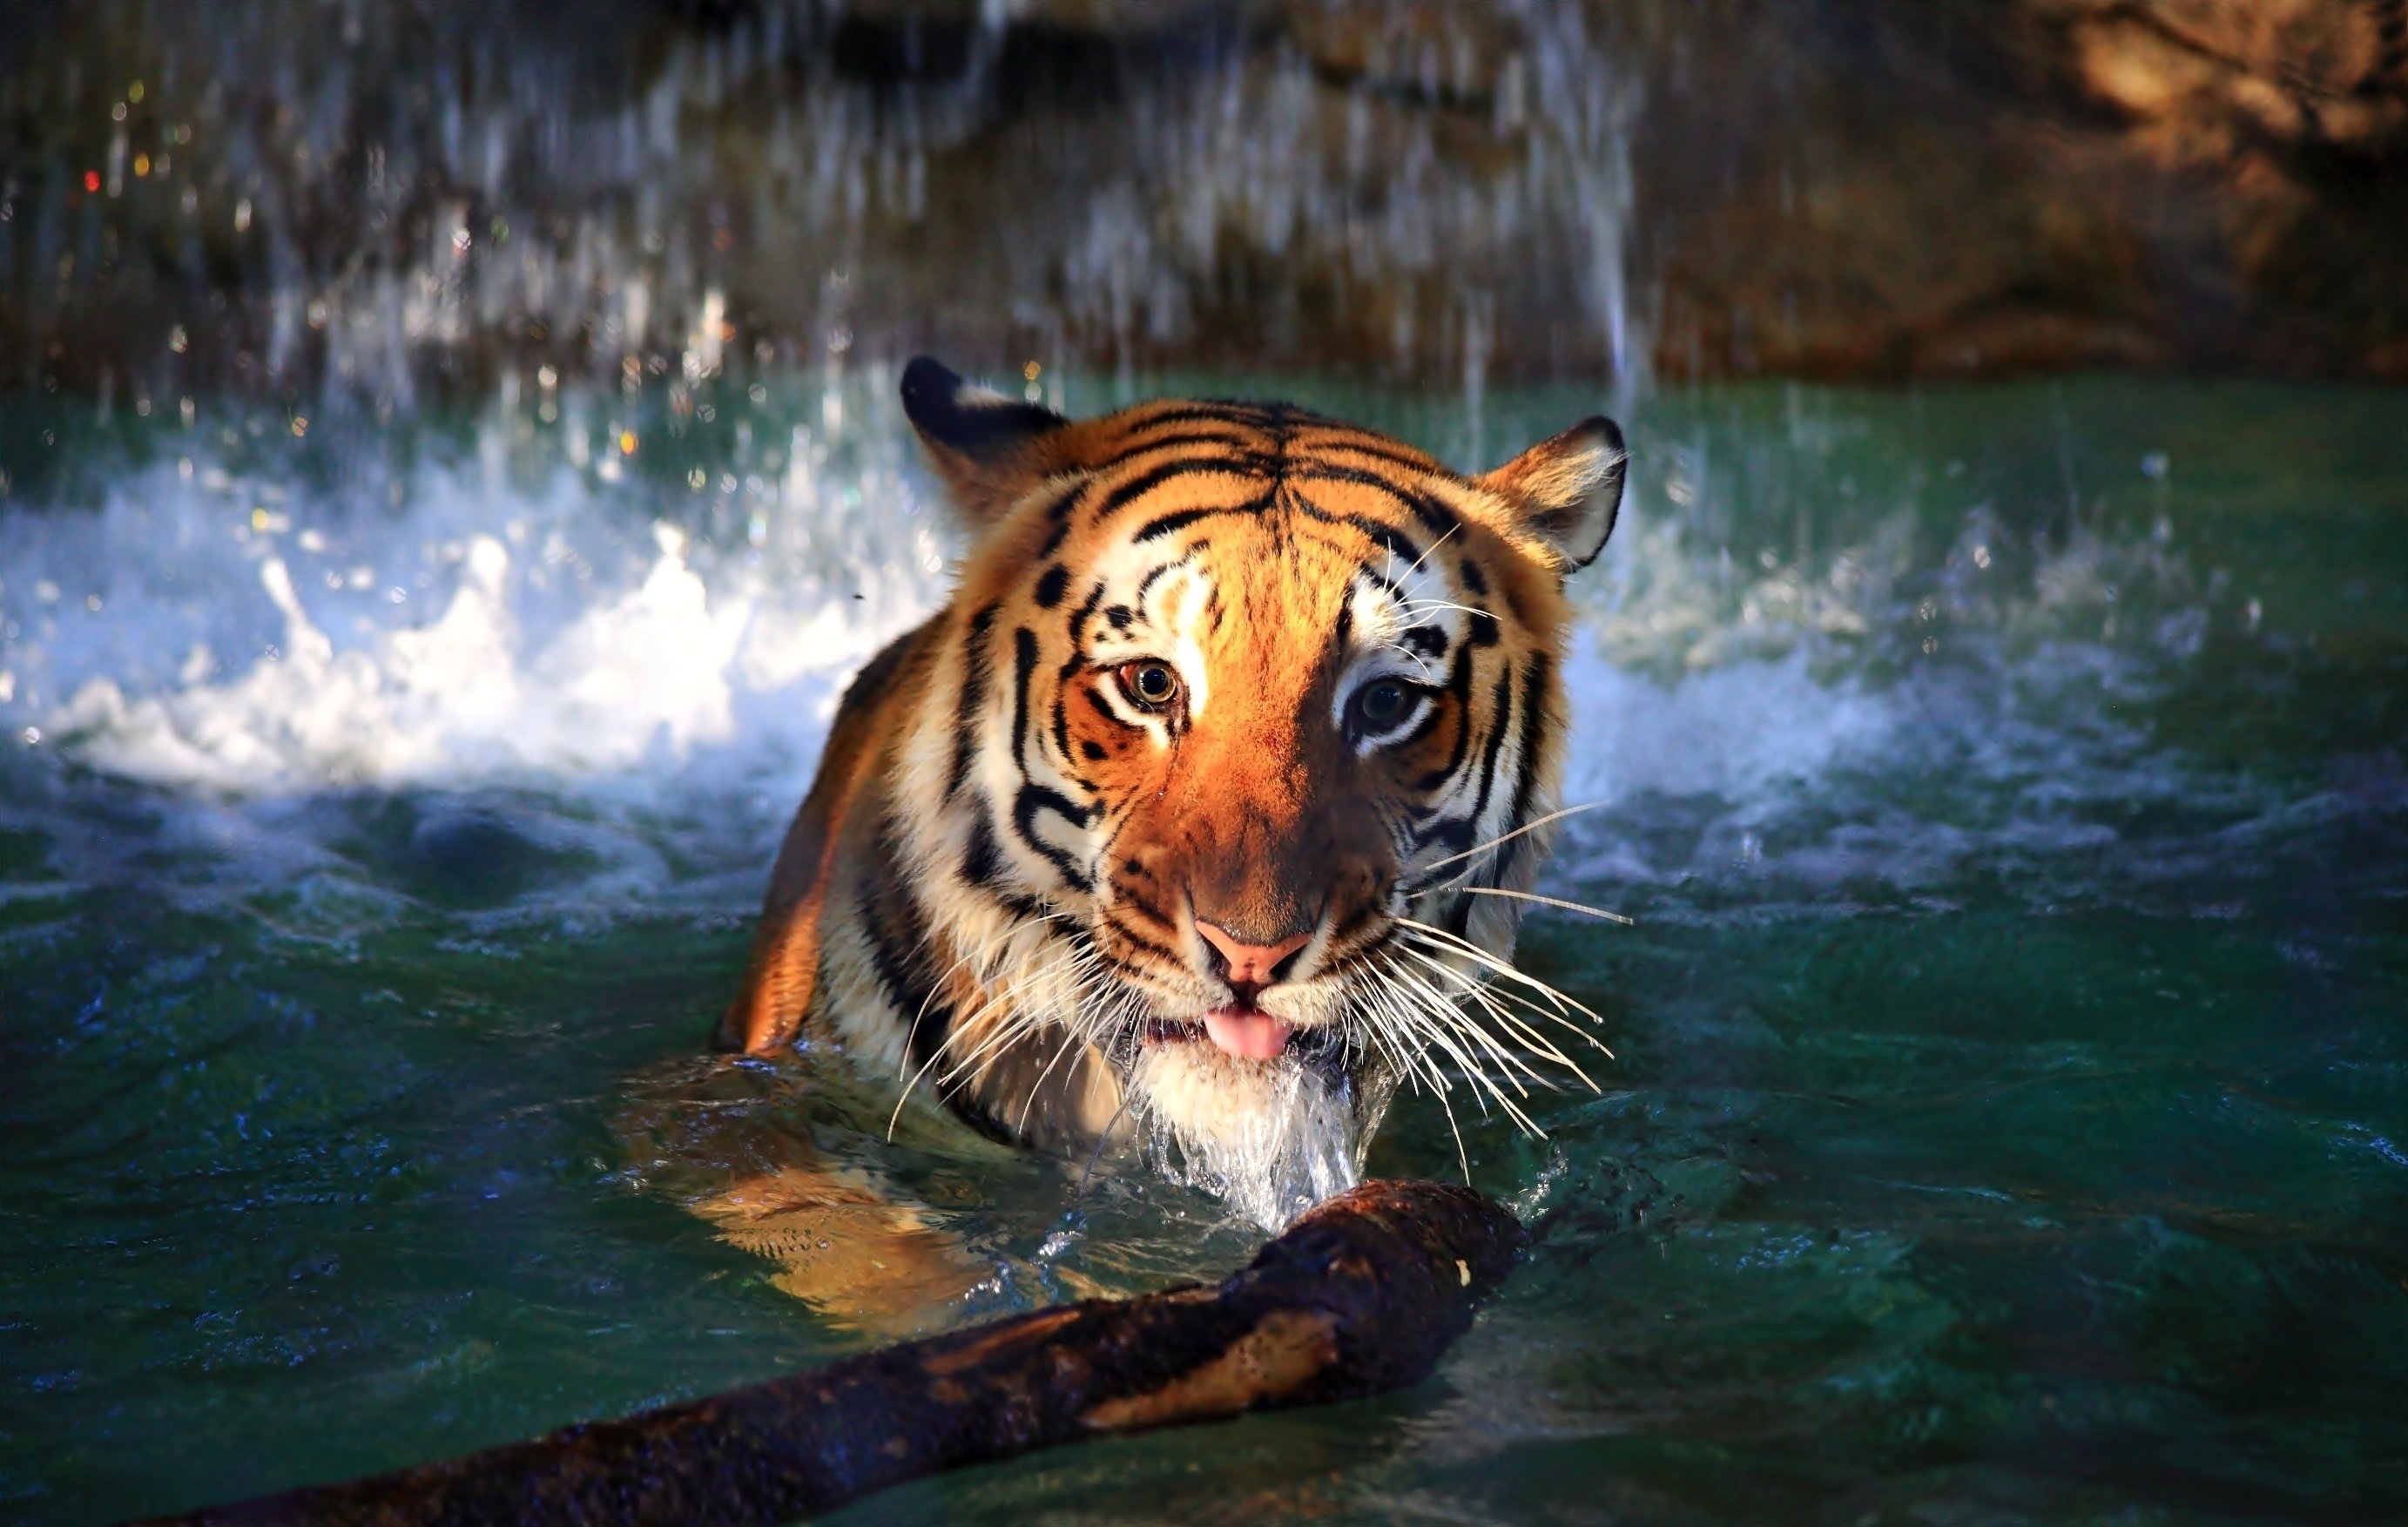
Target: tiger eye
1381, 704
1152, 684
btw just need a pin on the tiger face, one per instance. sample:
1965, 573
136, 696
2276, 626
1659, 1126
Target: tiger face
1221, 776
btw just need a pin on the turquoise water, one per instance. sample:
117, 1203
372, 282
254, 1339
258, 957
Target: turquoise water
2009, 786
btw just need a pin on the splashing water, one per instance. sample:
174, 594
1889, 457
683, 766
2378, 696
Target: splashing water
1304, 1139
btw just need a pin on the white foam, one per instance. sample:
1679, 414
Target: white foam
485, 632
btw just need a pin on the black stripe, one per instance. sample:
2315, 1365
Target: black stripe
1121, 616
1453, 833
1145, 584
1388, 537
1243, 444
1022, 907
965, 716
1155, 529
905, 990
1209, 410
1432, 514
1534, 694
982, 859
1079, 624
1168, 955
1496, 745
1061, 727
1169, 471
891, 926
1024, 641
1057, 514
1130, 898
1459, 684
1484, 629
1364, 913
1399, 455
1037, 797
1071, 666
1474, 579
1429, 640
1051, 585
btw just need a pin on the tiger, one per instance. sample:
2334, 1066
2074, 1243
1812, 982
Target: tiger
1207, 805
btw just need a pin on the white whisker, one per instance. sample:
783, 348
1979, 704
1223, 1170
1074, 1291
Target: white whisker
1502, 837
1455, 943
1551, 902
1478, 991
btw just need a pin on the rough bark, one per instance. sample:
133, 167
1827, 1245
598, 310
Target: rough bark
1362, 1294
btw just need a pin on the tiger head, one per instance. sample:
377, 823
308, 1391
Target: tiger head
1251, 725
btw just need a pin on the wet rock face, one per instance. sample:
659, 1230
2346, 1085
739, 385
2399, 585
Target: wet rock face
1977, 188
385, 201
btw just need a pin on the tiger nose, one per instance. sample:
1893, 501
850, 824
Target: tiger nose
1250, 965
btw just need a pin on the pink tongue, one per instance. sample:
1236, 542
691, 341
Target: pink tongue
1249, 1036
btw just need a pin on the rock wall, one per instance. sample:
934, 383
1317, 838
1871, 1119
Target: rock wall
385, 201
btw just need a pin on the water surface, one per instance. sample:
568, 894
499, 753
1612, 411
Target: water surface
2009, 786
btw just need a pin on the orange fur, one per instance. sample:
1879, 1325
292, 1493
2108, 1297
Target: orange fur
995, 883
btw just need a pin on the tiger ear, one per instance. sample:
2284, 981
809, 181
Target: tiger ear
1564, 493
989, 449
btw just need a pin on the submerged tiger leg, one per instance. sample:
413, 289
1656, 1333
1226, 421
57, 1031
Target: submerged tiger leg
786, 1162
861, 1259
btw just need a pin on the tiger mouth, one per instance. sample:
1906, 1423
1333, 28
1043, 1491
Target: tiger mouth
1246, 1032
1321, 1048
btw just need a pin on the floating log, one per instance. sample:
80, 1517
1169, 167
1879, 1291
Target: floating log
1361, 1294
